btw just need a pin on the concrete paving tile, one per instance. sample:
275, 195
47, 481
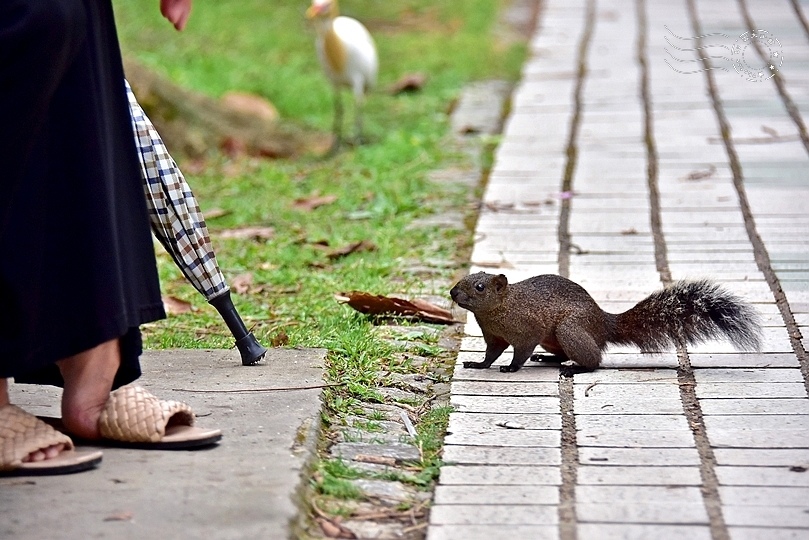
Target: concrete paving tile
754, 406
668, 495
761, 476
505, 388
479, 422
759, 423
505, 437
638, 456
492, 532
522, 495
531, 372
642, 512
627, 376
766, 533
766, 516
737, 438
639, 361
635, 439
500, 455
640, 475
626, 405
473, 344
536, 405
630, 422
706, 390
512, 475
742, 360
622, 392
493, 514
787, 457
631, 531
769, 375
765, 496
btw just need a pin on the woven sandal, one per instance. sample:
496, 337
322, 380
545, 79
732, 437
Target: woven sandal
134, 418
22, 433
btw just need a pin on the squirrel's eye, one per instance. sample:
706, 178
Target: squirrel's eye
479, 287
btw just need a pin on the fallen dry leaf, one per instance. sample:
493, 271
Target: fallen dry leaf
334, 530
378, 460
411, 82
254, 233
356, 247
120, 516
315, 200
241, 283
701, 175
280, 339
175, 306
373, 304
629, 232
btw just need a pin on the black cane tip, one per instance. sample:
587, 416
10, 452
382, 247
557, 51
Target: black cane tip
250, 349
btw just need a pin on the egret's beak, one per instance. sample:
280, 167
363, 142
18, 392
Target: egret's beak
314, 11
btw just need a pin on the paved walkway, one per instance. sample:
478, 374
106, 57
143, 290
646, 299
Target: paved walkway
672, 175
246, 487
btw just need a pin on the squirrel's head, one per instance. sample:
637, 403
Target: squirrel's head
478, 292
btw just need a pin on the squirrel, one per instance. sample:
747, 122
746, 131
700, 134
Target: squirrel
558, 314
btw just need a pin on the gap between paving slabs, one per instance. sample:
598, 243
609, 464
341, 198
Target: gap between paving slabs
375, 451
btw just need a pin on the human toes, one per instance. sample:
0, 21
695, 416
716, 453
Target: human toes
43, 454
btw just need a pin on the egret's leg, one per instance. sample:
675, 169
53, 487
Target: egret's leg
337, 128
359, 101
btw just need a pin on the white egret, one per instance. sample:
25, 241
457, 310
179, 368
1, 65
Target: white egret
348, 55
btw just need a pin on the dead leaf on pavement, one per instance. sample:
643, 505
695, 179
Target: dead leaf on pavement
253, 233
701, 175
315, 200
373, 304
410, 82
120, 516
356, 247
175, 306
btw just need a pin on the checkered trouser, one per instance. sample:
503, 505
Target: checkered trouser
174, 213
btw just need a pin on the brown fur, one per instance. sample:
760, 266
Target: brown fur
559, 315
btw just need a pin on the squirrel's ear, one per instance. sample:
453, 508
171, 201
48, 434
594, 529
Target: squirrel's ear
500, 281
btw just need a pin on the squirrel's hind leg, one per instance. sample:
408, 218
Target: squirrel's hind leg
578, 345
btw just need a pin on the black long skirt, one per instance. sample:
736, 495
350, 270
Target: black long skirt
77, 264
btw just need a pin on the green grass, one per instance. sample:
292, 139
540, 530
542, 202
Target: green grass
267, 48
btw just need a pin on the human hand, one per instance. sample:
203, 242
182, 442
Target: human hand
176, 11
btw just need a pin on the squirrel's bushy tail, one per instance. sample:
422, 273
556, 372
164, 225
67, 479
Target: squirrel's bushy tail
691, 312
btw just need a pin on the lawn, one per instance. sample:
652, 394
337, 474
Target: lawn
287, 279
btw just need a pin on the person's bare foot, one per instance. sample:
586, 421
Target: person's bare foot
40, 455
88, 380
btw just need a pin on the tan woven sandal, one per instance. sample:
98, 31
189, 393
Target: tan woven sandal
22, 433
134, 418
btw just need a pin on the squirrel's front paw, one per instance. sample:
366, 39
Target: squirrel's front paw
475, 365
509, 368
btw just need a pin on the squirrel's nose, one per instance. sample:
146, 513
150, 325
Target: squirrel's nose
453, 292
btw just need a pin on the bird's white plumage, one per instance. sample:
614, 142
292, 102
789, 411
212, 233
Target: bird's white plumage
361, 65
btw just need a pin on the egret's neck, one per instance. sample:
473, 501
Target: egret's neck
324, 25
